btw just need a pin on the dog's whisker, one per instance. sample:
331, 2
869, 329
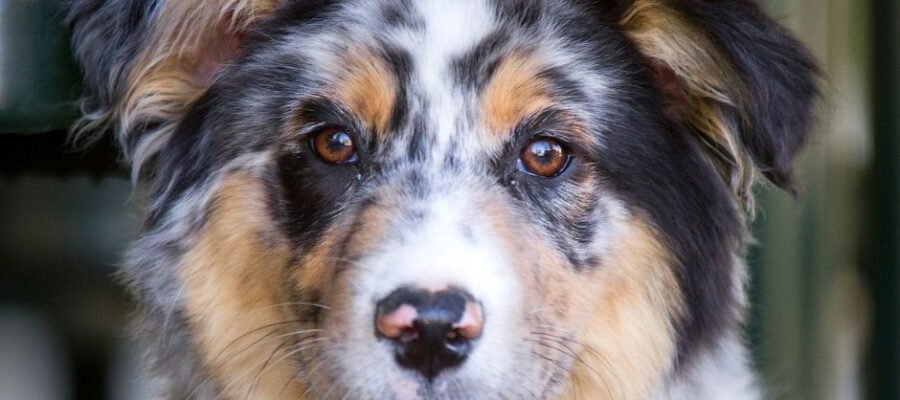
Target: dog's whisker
259, 374
218, 361
239, 378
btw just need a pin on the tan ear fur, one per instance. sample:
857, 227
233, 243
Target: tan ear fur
708, 82
189, 41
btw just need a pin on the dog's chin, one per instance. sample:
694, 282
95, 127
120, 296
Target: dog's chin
409, 387
396, 383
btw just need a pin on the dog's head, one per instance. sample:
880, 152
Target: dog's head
442, 199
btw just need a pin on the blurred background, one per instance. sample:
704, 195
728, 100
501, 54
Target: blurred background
825, 322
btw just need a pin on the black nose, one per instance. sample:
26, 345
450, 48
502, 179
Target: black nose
431, 331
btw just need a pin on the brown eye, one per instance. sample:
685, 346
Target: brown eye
543, 157
334, 146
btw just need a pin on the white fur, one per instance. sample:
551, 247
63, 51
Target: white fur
721, 372
451, 29
434, 255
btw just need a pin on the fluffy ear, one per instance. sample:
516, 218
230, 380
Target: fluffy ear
145, 62
734, 77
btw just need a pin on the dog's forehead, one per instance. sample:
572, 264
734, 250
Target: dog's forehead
452, 68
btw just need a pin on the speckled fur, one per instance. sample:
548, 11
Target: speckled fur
621, 278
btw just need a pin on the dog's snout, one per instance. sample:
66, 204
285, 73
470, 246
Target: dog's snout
431, 331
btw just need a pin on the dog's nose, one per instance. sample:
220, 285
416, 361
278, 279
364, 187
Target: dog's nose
431, 331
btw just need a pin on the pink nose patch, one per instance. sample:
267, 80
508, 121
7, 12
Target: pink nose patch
471, 323
398, 322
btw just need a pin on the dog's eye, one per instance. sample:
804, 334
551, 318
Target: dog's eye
544, 157
334, 146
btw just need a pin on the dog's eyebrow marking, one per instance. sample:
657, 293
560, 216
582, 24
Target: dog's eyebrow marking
367, 87
516, 90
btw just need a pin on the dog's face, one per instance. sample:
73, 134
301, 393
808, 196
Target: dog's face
468, 199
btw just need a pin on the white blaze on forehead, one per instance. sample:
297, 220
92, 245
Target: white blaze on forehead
451, 29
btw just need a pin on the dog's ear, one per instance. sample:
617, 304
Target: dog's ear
146, 62
734, 77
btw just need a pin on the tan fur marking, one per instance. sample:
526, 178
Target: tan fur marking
370, 233
621, 314
628, 342
368, 88
190, 39
514, 93
232, 298
706, 77
617, 318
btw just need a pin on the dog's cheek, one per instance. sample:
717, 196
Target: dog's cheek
327, 268
554, 313
235, 294
329, 274
630, 305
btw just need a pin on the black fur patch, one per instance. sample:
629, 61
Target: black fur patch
779, 73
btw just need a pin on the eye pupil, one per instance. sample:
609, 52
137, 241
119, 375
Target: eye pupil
543, 157
334, 146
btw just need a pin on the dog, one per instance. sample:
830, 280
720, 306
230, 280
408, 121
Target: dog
435, 199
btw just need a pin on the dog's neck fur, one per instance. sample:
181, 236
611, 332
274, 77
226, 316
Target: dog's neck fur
721, 372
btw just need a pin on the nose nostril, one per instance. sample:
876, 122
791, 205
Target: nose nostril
456, 337
408, 335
